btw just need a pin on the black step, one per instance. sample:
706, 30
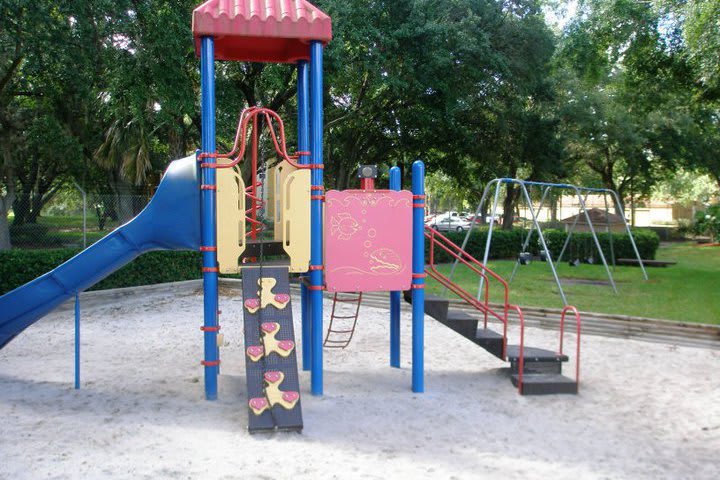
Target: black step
436, 307
274, 262
461, 322
269, 248
490, 341
536, 360
533, 354
545, 384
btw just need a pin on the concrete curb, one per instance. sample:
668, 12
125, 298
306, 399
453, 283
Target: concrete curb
608, 325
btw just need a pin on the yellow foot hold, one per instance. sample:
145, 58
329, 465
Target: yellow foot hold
267, 284
282, 347
273, 395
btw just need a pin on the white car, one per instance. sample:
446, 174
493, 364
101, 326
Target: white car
450, 224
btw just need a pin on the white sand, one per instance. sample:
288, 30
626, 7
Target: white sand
645, 410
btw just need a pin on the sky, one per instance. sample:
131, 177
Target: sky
560, 17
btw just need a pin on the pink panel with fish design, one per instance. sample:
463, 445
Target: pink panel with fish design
368, 240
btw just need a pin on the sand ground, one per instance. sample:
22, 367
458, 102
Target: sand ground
644, 410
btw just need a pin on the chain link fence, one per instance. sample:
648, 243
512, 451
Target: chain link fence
75, 220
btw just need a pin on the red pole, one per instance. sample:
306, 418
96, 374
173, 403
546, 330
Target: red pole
253, 179
367, 183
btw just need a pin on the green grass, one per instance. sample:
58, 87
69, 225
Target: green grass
685, 292
67, 230
70, 222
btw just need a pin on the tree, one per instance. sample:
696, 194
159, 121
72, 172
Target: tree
639, 91
31, 75
452, 82
702, 35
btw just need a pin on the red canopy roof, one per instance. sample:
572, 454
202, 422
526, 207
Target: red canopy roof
261, 30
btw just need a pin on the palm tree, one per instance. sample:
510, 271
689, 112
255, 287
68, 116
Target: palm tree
126, 154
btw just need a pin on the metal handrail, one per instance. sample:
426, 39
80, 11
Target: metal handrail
476, 266
577, 347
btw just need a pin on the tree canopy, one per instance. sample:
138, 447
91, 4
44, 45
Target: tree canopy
105, 93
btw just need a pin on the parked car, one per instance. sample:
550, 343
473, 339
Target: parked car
450, 224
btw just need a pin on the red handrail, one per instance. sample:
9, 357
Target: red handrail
577, 347
240, 142
476, 266
239, 147
521, 358
436, 238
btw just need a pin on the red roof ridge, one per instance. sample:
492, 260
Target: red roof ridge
261, 30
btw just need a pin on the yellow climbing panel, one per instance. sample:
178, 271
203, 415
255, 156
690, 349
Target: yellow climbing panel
288, 205
291, 213
230, 216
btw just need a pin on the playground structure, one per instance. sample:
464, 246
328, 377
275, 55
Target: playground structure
365, 240
546, 255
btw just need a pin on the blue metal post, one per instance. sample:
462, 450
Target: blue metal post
77, 341
303, 146
418, 286
208, 234
395, 296
316, 209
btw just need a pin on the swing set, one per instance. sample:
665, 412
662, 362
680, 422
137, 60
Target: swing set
525, 257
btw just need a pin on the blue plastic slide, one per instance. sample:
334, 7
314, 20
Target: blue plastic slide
171, 221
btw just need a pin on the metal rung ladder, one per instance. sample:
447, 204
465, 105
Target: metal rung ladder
342, 337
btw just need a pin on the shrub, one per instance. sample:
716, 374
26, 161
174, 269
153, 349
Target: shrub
708, 222
18, 267
582, 244
506, 244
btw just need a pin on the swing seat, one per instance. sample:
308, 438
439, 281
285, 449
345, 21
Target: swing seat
525, 258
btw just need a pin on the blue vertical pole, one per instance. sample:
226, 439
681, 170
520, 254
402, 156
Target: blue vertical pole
316, 209
77, 340
208, 234
303, 146
418, 287
395, 296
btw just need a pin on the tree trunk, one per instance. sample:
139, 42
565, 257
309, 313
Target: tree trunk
37, 203
21, 208
7, 179
176, 140
123, 198
4, 230
341, 181
509, 206
632, 205
483, 214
